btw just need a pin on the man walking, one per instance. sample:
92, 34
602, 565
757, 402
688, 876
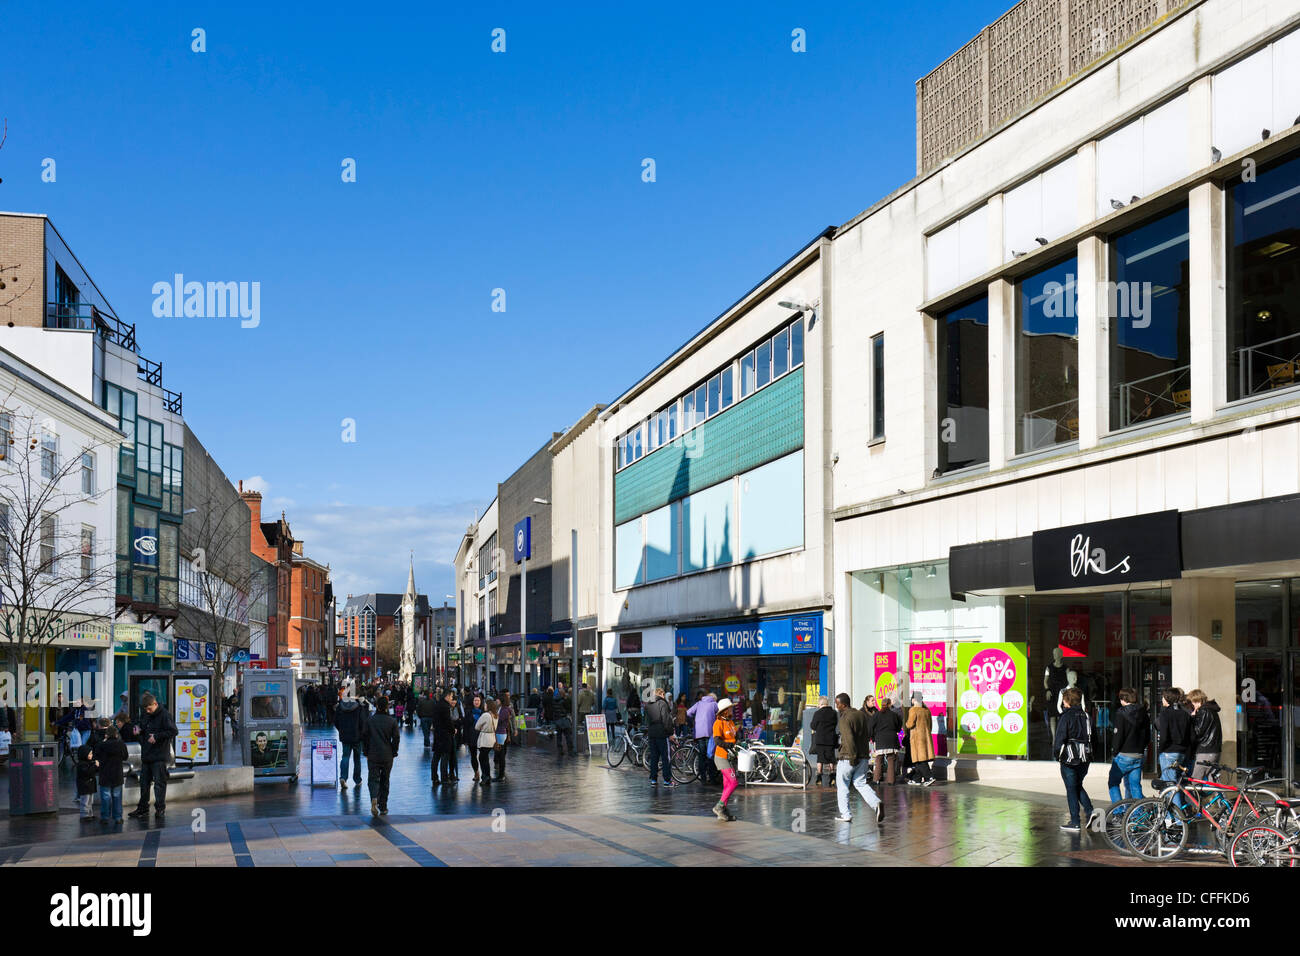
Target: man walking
659, 724
155, 733
851, 769
424, 710
350, 722
586, 704
562, 723
704, 712
381, 738
444, 739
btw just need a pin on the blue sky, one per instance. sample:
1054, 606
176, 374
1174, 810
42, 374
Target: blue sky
475, 171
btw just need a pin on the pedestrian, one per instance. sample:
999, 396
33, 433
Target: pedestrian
610, 706
1206, 732
1073, 749
109, 755
486, 727
155, 732
76, 724
424, 710
1174, 733
468, 733
680, 721
444, 739
920, 743
563, 722
822, 725
724, 738
548, 706
350, 722
506, 734
633, 709
1132, 734
87, 782
854, 728
659, 726
869, 705
381, 735
885, 726
586, 704
704, 712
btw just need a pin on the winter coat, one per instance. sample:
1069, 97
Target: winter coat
486, 725
659, 719
920, 728
1174, 725
704, 713
349, 721
424, 709
885, 727
586, 702
160, 725
381, 737
823, 727
1207, 730
111, 755
1132, 729
1072, 725
87, 783
467, 723
855, 735
444, 728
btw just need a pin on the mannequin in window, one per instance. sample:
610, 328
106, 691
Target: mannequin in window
1071, 680
1055, 680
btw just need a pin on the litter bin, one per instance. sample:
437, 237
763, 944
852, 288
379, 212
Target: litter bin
32, 778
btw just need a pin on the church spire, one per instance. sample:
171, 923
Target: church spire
410, 581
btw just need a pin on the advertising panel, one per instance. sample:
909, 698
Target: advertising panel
927, 673
192, 713
886, 673
992, 699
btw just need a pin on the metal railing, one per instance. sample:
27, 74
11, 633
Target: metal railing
1061, 415
82, 316
1165, 393
1279, 362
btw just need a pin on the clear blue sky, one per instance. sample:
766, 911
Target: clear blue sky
475, 171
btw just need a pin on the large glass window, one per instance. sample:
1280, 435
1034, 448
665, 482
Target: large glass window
764, 363
878, 386
748, 381
662, 543
1047, 357
1150, 354
963, 373
708, 526
629, 554
771, 504
1264, 281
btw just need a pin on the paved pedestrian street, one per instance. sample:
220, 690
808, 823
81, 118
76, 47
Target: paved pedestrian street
565, 811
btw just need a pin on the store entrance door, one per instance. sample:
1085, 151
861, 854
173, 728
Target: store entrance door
1261, 724
1149, 673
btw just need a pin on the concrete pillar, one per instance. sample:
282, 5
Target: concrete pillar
1205, 647
1207, 311
1094, 351
1002, 409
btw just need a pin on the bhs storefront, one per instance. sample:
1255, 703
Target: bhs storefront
772, 667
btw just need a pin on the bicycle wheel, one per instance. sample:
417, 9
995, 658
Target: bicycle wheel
1263, 846
1113, 831
683, 764
795, 769
616, 750
638, 746
1154, 831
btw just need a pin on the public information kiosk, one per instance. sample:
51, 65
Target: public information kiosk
271, 723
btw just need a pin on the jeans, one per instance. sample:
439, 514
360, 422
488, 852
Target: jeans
380, 770
501, 760
703, 765
425, 724
155, 772
659, 752
1128, 769
1167, 762
853, 775
110, 798
1074, 792
354, 751
83, 804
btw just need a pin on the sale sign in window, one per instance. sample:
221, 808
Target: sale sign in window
928, 677
992, 699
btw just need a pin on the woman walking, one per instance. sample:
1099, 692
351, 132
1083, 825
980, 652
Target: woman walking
824, 720
1073, 749
724, 735
473, 710
486, 728
920, 726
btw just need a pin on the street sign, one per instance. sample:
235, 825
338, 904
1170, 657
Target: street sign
523, 540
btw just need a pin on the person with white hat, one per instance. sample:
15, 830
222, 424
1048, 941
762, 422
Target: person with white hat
724, 735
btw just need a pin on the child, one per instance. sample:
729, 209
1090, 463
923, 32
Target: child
110, 754
85, 780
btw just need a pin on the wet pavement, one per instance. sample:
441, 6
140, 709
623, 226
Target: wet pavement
555, 810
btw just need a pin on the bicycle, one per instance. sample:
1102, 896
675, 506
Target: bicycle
1112, 829
789, 763
682, 758
1273, 844
633, 745
1156, 828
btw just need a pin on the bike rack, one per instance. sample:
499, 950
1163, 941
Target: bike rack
778, 783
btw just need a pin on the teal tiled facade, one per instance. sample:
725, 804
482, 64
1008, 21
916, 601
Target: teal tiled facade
763, 427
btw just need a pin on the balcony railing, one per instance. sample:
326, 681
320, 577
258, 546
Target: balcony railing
1269, 365
151, 372
85, 317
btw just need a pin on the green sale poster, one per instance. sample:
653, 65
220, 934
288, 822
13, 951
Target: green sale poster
992, 698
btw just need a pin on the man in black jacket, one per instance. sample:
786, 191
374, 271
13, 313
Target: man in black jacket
1206, 732
1174, 732
350, 722
1132, 734
155, 733
424, 710
381, 738
659, 725
854, 728
444, 738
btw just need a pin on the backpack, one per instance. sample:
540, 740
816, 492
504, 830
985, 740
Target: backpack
1075, 752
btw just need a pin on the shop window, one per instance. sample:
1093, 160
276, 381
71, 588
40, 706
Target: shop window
708, 526
1150, 350
1047, 358
1263, 321
963, 373
771, 507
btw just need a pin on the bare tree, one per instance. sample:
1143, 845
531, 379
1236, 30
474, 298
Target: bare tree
387, 652
54, 577
220, 584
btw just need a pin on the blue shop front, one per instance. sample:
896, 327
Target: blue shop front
772, 667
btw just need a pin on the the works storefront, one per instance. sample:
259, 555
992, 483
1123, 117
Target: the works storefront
777, 662
1199, 597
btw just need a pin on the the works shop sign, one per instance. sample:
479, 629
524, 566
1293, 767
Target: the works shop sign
1122, 551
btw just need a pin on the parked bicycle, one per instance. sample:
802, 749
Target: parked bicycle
1275, 844
1156, 829
633, 745
683, 758
770, 762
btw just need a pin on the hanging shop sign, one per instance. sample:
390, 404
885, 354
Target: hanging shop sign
765, 635
1140, 548
885, 666
927, 674
992, 701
